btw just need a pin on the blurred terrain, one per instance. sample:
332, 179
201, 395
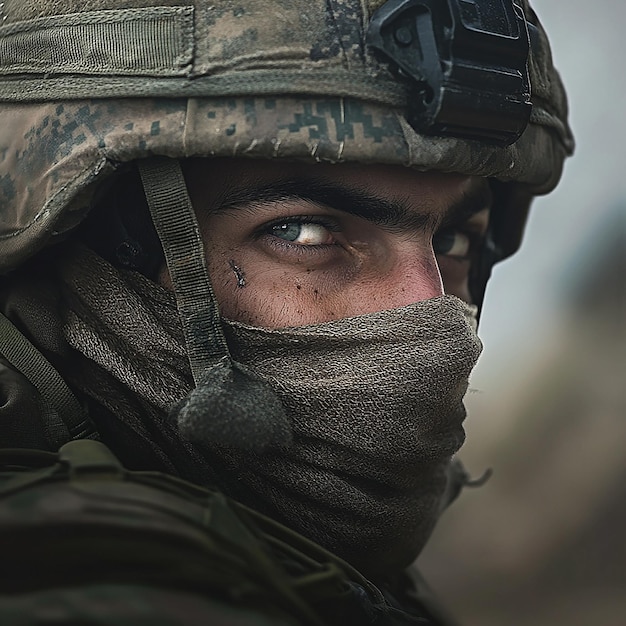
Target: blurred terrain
543, 543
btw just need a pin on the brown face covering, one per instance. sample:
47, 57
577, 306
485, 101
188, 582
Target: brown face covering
374, 405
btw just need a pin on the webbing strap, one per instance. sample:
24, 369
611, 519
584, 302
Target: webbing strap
145, 41
245, 411
176, 225
65, 418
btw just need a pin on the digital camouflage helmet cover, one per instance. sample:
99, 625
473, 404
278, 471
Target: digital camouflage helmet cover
87, 86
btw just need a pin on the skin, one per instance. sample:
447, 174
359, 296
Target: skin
284, 246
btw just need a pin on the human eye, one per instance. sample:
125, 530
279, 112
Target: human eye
303, 231
451, 242
458, 247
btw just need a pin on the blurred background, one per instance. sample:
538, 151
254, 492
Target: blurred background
544, 541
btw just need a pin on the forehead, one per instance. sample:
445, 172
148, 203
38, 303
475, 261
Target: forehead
213, 181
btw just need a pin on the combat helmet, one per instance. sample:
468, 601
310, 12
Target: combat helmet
88, 86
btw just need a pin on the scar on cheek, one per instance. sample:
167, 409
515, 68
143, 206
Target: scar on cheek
241, 277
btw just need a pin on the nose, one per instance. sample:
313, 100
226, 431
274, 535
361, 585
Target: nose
408, 279
416, 278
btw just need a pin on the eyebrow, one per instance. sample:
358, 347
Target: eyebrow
354, 201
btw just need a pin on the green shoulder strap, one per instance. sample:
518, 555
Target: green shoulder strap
65, 418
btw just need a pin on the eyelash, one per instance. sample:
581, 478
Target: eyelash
266, 231
475, 238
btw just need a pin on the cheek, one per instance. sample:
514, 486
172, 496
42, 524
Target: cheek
410, 278
267, 296
253, 288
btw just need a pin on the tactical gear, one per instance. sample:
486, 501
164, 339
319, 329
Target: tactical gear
64, 418
62, 513
290, 79
458, 89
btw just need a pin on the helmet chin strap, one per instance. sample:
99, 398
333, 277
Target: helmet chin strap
231, 407
176, 225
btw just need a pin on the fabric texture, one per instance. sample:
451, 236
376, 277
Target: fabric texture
374, 402
286, 79
64, 417
159, 42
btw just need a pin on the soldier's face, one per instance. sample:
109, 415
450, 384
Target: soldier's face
289, 244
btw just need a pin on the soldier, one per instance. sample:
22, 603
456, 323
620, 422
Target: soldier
244, 245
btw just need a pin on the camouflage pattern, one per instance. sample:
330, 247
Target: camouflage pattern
254, 78
167, 552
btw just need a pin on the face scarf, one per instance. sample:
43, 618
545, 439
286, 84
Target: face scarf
374, 403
